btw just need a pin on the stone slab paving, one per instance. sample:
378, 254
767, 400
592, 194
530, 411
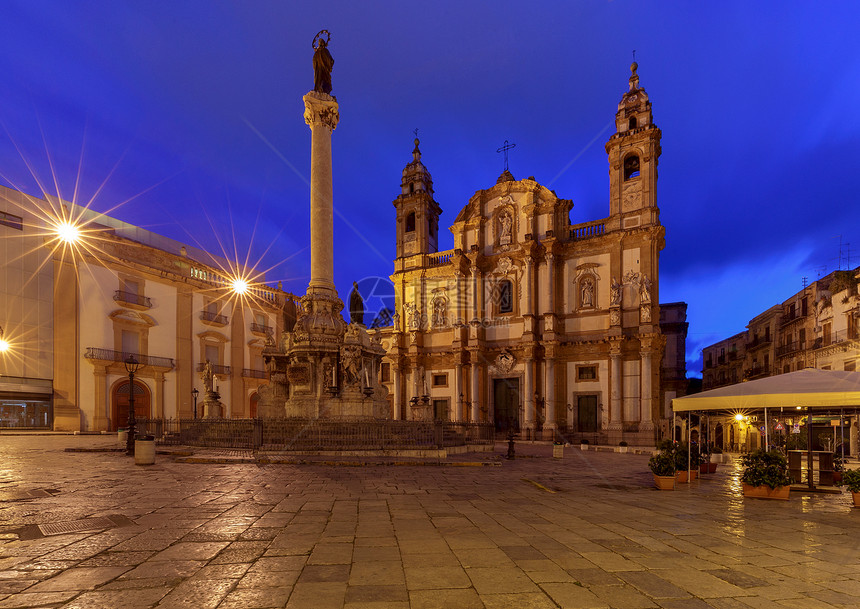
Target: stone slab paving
585, 531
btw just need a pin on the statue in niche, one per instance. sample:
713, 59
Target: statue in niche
505, 225
208, 376
323, 63
412, 312
587, 293
440, 313
645, 290
615, 293
356, 306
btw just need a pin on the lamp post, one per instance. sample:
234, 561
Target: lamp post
131, 366
194, 394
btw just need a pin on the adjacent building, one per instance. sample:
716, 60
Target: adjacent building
76, 306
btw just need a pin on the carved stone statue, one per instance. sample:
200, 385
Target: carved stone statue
587, 293
440, 313
645, 290
615, 293
356, 306
505, 223
208, 376
323, 63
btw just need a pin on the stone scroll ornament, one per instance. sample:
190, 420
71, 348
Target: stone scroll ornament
323, 62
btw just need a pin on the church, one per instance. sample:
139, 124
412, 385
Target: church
537, 324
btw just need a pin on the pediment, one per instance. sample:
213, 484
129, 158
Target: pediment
131, 317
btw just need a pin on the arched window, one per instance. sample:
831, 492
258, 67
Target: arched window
506, 297
631, 124
411, 188
631, 167
410, 222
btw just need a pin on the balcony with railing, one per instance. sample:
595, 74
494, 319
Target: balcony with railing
440, 258
254, 374
834, 338
261, 328
218, 369
109, 355
755, 372
791, 317
789, 348
213, 319
758, 342
588, 230
131, 300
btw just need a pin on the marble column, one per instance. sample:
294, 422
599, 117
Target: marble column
549, 395
646, 423
476, 392
321, 115
398, 399
458, 390
529, 398
550, 283
473, 294
615, 417
529, 308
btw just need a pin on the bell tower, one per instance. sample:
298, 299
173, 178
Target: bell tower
417, 212
633, 152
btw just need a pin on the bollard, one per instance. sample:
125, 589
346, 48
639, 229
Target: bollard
144, 450
511, 452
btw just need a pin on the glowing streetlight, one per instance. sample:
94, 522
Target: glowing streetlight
739, 417
239, 286
68, 232
4, 344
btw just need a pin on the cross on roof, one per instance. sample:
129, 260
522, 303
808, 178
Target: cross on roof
505, 149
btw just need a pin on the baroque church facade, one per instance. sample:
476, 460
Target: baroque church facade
530, 322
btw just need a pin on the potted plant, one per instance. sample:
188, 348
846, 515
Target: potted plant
838, 466
583, 444
705, 464
716, 455
622, 446
684, 464
662, 466
851, 480
765, 475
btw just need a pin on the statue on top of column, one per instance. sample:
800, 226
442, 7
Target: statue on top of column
323, 63
356, 306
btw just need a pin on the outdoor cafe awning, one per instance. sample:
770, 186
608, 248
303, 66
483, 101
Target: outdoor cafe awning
820, 389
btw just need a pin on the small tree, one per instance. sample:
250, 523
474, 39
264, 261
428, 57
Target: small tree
763, 468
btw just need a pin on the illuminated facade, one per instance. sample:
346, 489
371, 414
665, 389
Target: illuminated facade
817, 327
74, 312
531, 322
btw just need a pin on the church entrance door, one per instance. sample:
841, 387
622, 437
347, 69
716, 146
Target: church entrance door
506, 402
119, 404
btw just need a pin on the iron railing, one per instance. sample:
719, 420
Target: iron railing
298, 434
213, 317
135, 299
254, 374
218, 369
261, 328
108, 355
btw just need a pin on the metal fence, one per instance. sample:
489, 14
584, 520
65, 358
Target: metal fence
296, 434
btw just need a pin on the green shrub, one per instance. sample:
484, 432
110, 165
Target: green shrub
763, 468
663, 463
851, 480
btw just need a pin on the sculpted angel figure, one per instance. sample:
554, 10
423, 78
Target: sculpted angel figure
208, 376
615, 293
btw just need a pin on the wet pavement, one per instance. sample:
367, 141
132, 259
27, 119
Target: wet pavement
92, 530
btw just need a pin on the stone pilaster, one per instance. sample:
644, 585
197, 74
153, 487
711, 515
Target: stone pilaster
615, 417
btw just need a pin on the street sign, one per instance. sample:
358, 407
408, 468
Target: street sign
795, 428
779, 426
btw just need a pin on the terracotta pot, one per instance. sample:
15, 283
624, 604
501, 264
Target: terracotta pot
681, 476
765, 492
707, 468
664, 483
694, 474
837, 477
856, 499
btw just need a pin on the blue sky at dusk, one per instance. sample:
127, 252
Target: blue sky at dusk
188, 117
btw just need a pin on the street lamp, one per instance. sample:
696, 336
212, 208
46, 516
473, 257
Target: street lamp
131, 366
4, 344
194, 394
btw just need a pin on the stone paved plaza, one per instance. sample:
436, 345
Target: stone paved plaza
586, 531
